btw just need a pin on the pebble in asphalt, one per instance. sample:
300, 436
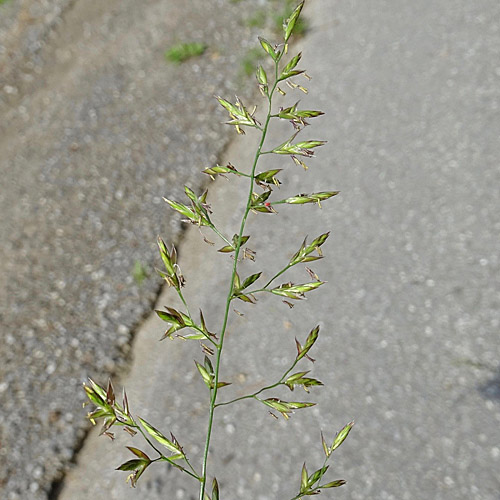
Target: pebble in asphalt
410, 346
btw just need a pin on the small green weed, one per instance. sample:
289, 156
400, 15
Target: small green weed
140, 272
183, 51
250, 60
258, 20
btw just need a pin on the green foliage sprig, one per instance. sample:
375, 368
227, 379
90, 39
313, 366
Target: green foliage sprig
183, 51
183, 324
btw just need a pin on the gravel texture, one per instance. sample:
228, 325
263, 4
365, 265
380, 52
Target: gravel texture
96, 127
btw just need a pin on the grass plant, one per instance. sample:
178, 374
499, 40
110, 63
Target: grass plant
260, 201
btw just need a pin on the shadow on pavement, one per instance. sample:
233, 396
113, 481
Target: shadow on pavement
491, 389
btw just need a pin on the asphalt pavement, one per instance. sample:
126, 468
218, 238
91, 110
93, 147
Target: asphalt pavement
410, 313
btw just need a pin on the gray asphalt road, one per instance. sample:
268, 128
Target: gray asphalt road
410, 315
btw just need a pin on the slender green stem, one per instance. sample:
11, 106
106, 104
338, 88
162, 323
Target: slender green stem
177, 466
198, 329
218, 233
242, 174
213, 398
277, 275
183, 469
191, 467
194, 326
164, 458
249, 396
322, 473
253, 395
264, 288
146, 437
183, 300
250, 292
300, 495
213, 227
